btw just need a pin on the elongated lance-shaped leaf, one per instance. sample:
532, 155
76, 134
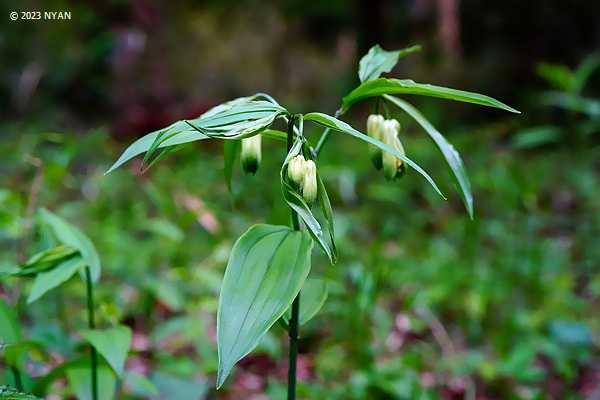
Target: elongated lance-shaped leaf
378, 61
341, 126
267, 267
45, 260
73, 237
296, 202
238, 118
381, 86
449, 152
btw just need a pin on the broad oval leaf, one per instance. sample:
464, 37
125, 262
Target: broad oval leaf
378, 61
113, 344
381, 86
54, 277
73, 237
450, 154
267, 267
341, 126
312, 297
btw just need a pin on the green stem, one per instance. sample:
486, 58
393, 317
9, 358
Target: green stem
92, 325
17, 376
293, 326
325, 135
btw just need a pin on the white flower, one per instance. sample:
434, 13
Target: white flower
375, 130
392, 166
296, 168
309, 185
251, 154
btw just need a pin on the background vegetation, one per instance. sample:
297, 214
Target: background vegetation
424, 303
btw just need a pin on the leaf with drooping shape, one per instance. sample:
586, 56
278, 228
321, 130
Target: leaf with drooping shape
113, 344
378, 61
341, 126
79, 376
73, 237
54, 277
450, 154
327, 212
236, 119
381, 86
312, 297
267, 267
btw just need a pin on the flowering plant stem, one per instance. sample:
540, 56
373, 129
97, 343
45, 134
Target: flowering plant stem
92, 325
293, 326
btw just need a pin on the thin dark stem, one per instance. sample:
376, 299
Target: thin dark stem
293, 333
293, 326
92, 325
17, 376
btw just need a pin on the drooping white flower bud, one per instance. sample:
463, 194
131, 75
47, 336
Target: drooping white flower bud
375, 130
296, 168
393, 167
309, 185
251, 154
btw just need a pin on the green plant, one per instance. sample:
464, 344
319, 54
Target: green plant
269, 264
581, 112
70, 252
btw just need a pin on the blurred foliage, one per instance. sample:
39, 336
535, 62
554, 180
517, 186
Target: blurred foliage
424, 303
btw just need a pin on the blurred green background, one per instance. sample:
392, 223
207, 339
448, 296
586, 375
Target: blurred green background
424, 302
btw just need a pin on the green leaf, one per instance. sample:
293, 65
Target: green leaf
327, 212
296, 202
573, 102
54, 277
312, 297
9, 393
45, 260
381, 86
73, 237
266, 269
14, 353
450, 154
341, 126
378, 61
139, 385
10, 329
274, 134
175, 387
113, 344
236, 119
231, 149
79, 376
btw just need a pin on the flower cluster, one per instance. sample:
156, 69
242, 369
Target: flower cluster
386, 131
303, 174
